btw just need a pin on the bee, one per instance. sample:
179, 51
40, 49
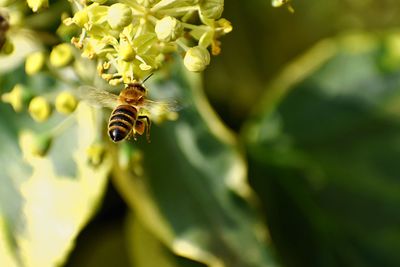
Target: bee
130, 109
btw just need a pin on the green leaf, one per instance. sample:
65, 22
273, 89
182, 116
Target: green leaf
45, 201
323, 150
188, 186
141, 241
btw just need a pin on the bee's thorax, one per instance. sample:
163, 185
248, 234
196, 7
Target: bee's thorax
132, 95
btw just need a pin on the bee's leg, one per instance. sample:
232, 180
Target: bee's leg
144, 124
132, 134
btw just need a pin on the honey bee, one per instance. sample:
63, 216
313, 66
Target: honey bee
130, 109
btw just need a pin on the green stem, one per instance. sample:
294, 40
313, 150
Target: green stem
62, 126
182, 44
193, 27
176, 10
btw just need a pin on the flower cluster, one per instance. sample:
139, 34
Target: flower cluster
123, 41
133, 38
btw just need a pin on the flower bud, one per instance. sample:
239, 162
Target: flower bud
95, 154
66, 103
126, 52
61, 55
35, 144
35, 5
34, 62
212, 9
81, 18
18, 97
39, 109
196, 59
119, 15
168, 29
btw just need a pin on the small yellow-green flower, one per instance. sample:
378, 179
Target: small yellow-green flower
39, 109
168, 29
66, 103
196, 59
81, 18
61, 55
35, 62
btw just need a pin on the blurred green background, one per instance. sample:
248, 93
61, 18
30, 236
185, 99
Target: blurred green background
265, 39
323, 160
312, 103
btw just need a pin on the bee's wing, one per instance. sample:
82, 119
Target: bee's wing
161, 110
97, 97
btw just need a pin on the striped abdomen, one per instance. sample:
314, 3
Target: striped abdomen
121, 122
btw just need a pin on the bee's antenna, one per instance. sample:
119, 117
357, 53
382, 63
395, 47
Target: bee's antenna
145, 79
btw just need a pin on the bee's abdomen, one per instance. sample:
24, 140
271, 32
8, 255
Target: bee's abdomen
121, 122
